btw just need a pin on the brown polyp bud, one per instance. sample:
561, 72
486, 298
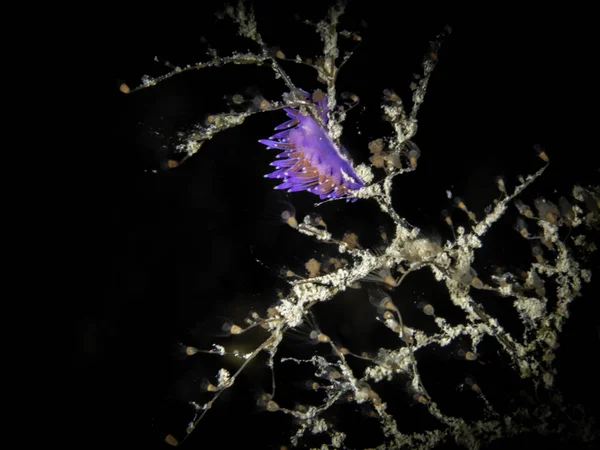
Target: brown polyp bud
462, 353
393, 160
272, 406
428, 310
541, 153
390, 96
318, 95
500, 184
323, 338
171, 440
333, 373
446, 216
412, 159
288, 273
376, 146
191, 350
470, 356
460, 204
377, 160
521, 227
232, 328
418, 397
312, 267
263, 400
264, 104
383, 234
312, 385
279, 54
389, 279
329, 264
477, 283
536, 251
125, 90
208, 386
315, 220
546, 210
288, 216
523, 208
319, 337
382, 301
413, 152
351, 240
472, 384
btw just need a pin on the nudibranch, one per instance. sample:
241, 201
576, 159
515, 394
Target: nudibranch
310, 160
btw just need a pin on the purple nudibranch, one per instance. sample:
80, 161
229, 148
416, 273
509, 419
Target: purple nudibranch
310, 160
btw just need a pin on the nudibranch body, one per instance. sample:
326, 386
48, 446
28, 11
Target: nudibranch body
310, 160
